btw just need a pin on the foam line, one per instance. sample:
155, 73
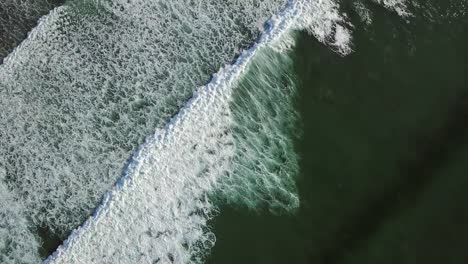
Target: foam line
158, 211
94, 79
43, 23
17, 18
156, 143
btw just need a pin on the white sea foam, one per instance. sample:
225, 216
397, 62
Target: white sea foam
17, 17
94, 79
399, 6
363, 12
157, 213
18, 244
322, 19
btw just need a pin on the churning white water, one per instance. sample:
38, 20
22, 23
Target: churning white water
93, 80
96, 77
163, 202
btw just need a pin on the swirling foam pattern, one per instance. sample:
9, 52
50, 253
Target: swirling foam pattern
89, 83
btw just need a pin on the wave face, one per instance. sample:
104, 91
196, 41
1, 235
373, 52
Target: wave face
165, 203
264, 127
158, 212
94, 79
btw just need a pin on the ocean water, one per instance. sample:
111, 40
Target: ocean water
17, 18
326, 141
91, 81
382, 148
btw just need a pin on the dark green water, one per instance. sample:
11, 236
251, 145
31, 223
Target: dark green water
384, 151
17, 19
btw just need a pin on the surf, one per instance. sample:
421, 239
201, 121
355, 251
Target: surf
160, 207
164, 195
93, 79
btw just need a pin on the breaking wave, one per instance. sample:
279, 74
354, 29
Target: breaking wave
264, 126
96, 77
164, 196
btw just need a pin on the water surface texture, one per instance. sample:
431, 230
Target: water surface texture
383, 149
17, 18
243, 131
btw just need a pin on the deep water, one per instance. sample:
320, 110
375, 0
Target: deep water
383, 150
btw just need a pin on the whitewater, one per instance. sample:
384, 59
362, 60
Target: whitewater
86, 87
158, 211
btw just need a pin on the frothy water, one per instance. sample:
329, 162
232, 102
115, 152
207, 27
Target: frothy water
363, 11
163, 202
17, 18
95, 78
399, 6
17, 241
